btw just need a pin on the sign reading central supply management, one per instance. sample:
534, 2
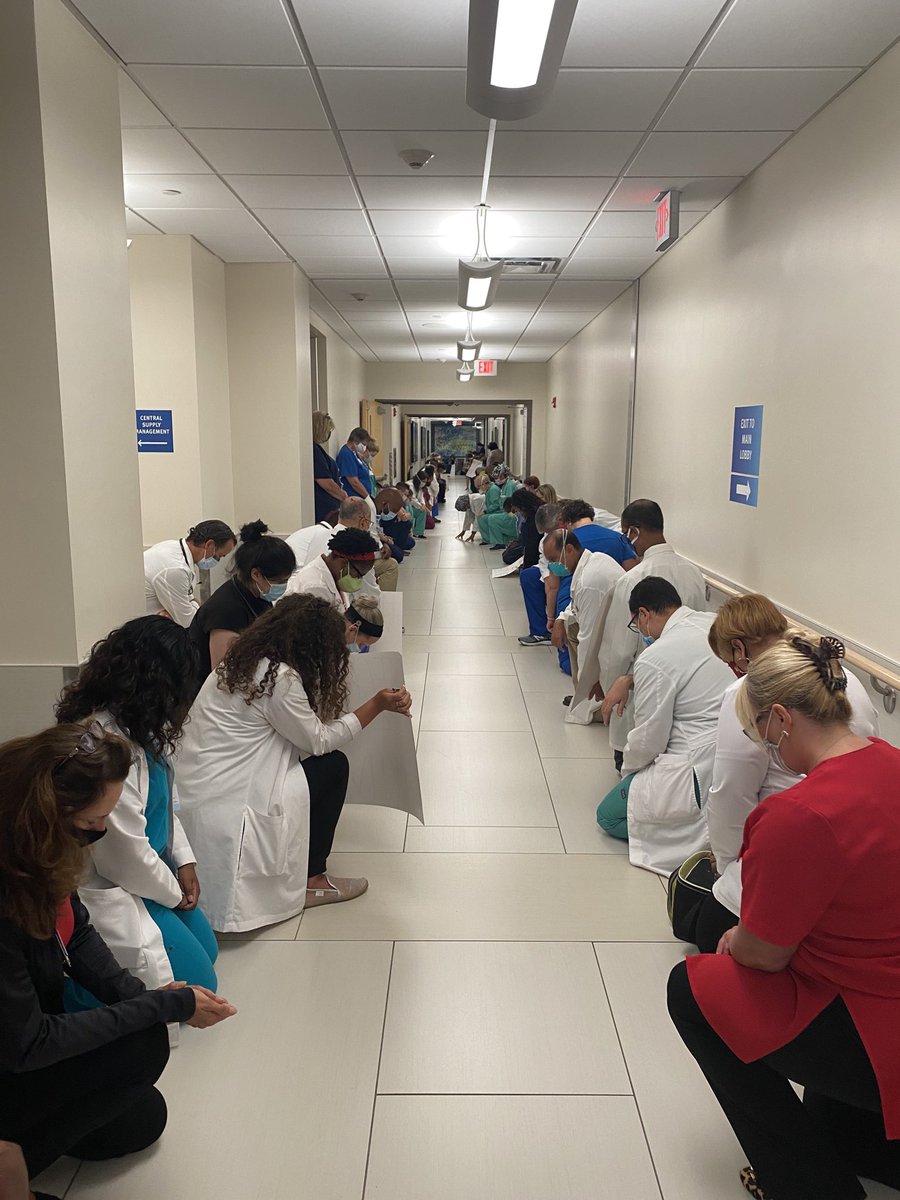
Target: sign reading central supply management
154, 431
746, 455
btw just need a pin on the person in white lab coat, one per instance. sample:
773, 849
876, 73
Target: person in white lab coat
743, 773
171, 569
261, 772
354, 514
339, 572
678, 688
593, 578
141, 886
642, 524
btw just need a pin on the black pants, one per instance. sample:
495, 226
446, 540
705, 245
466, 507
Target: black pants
813, 1149
327, 776
713, 919
95, 1106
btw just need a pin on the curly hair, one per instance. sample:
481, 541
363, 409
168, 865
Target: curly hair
144, 674
44, 780
306, 634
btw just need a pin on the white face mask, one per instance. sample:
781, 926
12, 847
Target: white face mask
773, 749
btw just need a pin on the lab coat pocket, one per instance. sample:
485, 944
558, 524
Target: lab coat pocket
116, 915
664, 793
264, 844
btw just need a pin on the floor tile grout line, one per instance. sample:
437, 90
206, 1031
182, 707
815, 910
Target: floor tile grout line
637, 1104
387, 998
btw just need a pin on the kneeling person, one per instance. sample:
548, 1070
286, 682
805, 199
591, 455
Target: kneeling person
659, 807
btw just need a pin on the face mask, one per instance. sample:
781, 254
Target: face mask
645, 637
87, 837
628, 538
275, 592
387, 515
560, 569
349, 583
207, 564
773, 749
352, 648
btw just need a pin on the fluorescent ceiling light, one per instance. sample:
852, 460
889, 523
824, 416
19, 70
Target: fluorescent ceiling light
515, 49
478, 282
467, 351
463, 375
519, 42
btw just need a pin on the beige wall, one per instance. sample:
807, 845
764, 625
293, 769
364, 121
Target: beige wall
346, 371
787, 296
587, 432
213, 399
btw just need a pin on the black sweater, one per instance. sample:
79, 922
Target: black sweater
35, 1031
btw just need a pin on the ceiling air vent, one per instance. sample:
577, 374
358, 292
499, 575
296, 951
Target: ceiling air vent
531, 266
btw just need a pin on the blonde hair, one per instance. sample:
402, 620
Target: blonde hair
373, 446
802, 672
368, 608
547, 493
322, 427
749, 619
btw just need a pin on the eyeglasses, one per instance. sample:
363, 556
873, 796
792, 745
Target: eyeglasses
632, 625
86, 744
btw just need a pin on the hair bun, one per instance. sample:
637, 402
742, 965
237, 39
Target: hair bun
825, 657
253, 531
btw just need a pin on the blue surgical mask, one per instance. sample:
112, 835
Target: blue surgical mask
387, 515
560, 569
275, 592
207, 564
647, 639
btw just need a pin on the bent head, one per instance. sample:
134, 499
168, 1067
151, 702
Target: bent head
651, 603
642, 524
744, 628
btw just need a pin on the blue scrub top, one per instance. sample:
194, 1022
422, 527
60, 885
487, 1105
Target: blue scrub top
600, 540
350, 468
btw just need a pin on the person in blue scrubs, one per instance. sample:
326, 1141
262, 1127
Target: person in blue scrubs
354, 474
139, 683
578, 516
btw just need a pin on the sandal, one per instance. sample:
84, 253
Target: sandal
748, 1179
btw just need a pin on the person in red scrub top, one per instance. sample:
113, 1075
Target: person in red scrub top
807, 986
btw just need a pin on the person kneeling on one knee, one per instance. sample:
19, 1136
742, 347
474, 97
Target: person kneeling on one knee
80, 1083
668, 759
261, 821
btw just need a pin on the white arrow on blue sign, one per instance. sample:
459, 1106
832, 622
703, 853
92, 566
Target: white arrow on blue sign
154, 431
746, 455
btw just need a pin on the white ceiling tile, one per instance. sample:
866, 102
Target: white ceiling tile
374, 98
803, 33
422, 268
752, 99
570, 154
295, 191
270, 151
379, 296
706, 153
377, 153
311, 246
347, 33
514, 295
617, 247
196, 31
636, 224
231, 222
546, 347
446, 223
434, 294
606, 268
697, 195
136, 226
235, 97
194, 191
582, 294
598, 100
555, 195
537, 354
422, 247
638, 33
399, 356
420, 191
251, 247
332, 267
159, 152
306, 221
562, 324
538, 247
134, 107
390, 347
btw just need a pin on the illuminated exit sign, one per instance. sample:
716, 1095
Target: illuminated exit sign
667, 211
486, 366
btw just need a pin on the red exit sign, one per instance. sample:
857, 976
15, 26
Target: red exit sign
486, 366
667, 213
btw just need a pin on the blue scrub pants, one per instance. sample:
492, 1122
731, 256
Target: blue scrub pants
562, 602
535, 601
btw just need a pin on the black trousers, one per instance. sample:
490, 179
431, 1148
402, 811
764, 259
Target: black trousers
813, 1149
713, 919
327, 776
95, 1106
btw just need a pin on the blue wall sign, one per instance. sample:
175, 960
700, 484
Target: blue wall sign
746, 455
154, 431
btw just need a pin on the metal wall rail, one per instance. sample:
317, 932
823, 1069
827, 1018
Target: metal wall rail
884, 676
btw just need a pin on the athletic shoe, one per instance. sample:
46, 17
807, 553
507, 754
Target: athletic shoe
534, 640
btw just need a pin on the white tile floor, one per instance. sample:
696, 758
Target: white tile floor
489, 1020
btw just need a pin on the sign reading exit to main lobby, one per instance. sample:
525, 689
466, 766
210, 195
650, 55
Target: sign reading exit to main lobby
746, 455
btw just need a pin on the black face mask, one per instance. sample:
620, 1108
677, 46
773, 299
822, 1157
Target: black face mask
87, 837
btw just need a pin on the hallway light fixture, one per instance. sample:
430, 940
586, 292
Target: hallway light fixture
464, 374
479, 277
469, 347
515, 49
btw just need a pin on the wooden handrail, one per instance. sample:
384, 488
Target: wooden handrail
885, 680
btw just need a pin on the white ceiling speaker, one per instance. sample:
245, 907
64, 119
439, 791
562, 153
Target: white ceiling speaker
515, 49
480, 276
417, 159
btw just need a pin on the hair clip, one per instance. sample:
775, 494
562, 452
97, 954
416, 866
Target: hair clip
826, 659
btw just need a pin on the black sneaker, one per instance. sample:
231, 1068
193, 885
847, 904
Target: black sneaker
534, 639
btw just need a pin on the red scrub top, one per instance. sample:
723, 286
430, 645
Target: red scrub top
821, 871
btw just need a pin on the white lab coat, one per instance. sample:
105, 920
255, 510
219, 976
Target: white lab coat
123, 870
678, 690
245, 800
592, 581
744, 775
318, 545
301, 540
170, 577
608, 520
619, 647
315, 579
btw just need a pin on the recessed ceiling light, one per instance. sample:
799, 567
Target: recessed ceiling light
171, 192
